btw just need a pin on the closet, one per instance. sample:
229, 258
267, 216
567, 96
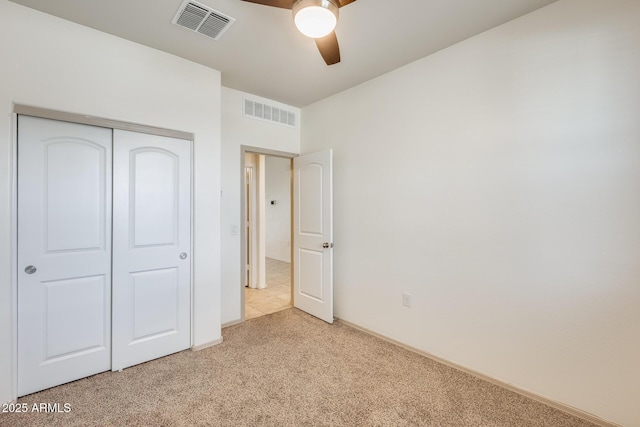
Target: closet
104, 250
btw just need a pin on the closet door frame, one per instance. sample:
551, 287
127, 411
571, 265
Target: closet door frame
44, 113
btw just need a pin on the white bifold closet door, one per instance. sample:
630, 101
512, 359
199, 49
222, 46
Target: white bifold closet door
64, 252
151, 247
97, 292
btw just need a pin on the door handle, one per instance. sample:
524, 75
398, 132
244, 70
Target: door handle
183, 255
30, 269
327, 245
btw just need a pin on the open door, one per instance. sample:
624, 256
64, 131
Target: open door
313, 234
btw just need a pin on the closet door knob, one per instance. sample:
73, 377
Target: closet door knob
30, 269
183, 255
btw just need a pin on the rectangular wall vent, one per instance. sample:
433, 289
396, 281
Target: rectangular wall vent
259, 110
202, 19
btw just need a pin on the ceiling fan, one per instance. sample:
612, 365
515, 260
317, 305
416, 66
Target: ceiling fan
315, 19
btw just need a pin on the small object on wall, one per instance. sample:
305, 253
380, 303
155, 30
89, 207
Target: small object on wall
273, 203
406, 300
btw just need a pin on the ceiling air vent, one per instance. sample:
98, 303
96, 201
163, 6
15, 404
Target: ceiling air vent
202, 19
270, 113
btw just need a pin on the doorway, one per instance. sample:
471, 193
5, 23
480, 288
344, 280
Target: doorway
266, 241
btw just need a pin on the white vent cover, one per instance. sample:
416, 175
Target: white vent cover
259, 110
202, 19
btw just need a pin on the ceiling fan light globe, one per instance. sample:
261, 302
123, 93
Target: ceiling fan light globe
315, 18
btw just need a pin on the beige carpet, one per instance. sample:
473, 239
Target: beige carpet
289, 369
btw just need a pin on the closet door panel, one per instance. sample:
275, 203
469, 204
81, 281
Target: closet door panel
152, 247
64, 252
155, 195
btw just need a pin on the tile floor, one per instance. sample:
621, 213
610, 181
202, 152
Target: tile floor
275, 297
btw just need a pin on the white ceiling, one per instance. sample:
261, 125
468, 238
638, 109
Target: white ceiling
263, 53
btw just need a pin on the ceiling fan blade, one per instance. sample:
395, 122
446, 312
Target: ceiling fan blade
284, 4
343, 3
329, 49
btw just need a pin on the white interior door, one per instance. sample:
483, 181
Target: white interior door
152, 247
313, 234
64, 252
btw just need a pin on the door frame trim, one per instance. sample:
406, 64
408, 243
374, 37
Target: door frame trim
44, 113
82, 119
248, 149
14, 255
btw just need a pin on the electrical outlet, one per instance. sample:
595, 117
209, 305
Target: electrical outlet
406, 300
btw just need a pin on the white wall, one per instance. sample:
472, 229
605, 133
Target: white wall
238, 130
278, 216
498, 182
55, 64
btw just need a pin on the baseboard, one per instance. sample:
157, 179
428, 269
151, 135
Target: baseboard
231, 323
206, 345
288, 261
542, 399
